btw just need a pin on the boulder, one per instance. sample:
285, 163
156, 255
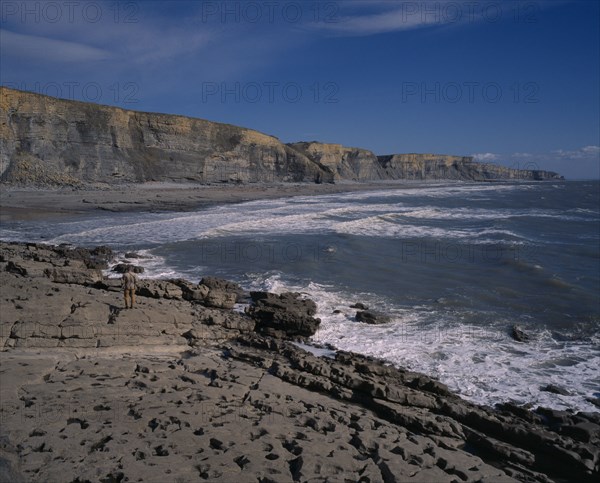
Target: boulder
74, 276
222, 285
231, 320
372, 317
159, 289
594, 400
28, 268
359, 306
216, 292
285, 315
219, 299
210, 292
135, 255
123, 267
519, 335
555, 390
96, 258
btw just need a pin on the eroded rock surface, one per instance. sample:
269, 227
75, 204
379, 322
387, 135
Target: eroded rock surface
177, 391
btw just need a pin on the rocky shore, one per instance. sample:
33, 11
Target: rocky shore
203, 381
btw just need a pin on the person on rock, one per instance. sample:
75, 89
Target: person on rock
129, 282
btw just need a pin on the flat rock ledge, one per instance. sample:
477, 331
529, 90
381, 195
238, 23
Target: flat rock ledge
184, 388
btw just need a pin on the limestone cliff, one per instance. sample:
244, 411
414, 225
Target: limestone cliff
362, 165
434, 166
342, 162
55, 141
45, 140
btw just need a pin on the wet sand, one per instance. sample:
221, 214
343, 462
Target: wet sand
18, 203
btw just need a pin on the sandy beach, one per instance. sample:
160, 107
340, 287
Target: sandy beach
17, 203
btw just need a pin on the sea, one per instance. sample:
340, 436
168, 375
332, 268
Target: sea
454, 264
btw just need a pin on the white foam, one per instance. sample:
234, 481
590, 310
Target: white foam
155, 267
483, 365
389, 225
348, 213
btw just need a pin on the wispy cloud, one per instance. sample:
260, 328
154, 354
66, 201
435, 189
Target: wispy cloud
364, 17
486, 157
399, 18
583, 162
586, 152
36, 48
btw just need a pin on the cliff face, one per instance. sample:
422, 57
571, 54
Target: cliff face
342, 162
433, 166
362, 165
44, 140
50, 140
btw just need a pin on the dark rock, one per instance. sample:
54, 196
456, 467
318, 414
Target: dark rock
519, 335
17, 268
221, 285
231, 320
555, 390
286, 313
135, 255
554, 416
520, 411
123, 267
211, 292
110, 284
103, 252
372, 317
9, 470
584, 431
359, 306
219, 299
594, 400
97, 258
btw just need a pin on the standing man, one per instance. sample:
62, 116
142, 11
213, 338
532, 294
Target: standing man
129, 282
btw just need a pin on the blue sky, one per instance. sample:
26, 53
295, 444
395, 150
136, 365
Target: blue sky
513, 82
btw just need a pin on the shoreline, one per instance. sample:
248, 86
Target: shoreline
180, 389
20, 203
25, 204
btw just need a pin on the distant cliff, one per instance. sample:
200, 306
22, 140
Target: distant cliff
361, 165
433, 166
45, 140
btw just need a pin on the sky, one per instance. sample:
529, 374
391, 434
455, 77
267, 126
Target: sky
511, 82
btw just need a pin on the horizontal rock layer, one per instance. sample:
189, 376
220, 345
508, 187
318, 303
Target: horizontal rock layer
54, 141
50, 141
231, 404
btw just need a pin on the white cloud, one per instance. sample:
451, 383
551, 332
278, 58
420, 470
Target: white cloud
395, 20
362, 18
486, 157
581, 163
522, 155
371, 17
46, 49
586, 152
